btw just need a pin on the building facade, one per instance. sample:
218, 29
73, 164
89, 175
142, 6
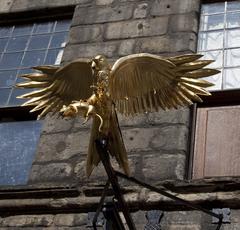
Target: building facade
191, 152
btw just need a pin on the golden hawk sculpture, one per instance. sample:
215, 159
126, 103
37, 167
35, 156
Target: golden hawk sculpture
135, 84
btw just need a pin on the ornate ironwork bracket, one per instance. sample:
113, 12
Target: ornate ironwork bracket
154, 217
225, 212
101, 145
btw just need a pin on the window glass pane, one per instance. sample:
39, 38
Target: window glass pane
13, 101
39, 42
7, 78
3, 43
5, 31
17, 43
232, 57
54, 56
233, 38
233, 20
214, 55
210, 40
22, 30
11, 60
232, 78
33, 58
4, 96
62, 25
213, 8
59, 40
17, 148
216, 80
45, 27
212, 22
232, 6
21, 72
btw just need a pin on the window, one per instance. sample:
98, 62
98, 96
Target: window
219, 39
217, 136
21, 47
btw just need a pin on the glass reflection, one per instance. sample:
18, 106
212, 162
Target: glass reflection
217, 56
212, 22
213, 8
231, 78
233, 20
233, 38
232, 6
210, 41
232, 57
19, 141
216, 80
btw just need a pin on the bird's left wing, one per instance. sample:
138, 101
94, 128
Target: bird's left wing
145, 82
58, 86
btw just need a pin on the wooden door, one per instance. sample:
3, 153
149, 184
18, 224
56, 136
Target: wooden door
217, 142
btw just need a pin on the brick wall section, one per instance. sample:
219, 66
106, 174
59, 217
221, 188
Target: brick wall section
156, 141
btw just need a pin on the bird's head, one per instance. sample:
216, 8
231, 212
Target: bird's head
99, 63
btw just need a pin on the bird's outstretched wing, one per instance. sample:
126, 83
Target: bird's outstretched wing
58, 86
145, 82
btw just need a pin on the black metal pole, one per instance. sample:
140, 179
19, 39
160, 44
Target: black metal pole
94, 221
104, 156
169, 195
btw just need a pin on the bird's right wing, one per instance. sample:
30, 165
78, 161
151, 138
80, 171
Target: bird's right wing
146, 82
58, 86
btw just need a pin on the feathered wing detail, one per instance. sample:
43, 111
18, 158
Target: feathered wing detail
146, 82
58, 86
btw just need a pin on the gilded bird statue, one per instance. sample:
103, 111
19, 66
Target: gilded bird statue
135, 84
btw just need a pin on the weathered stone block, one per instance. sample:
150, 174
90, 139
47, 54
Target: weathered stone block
80, 34
184, 23
53, 172
165, 7
54, 147
138, 120
23, 5
80, 219
167, 43
53, 125
182, 217
180, 116
104, 2
141, 10
109, 49
184, 227
126, 47
6, 5
155, 138
99, 175
136, 28
157, 167
102, 14
64, 220
28, 221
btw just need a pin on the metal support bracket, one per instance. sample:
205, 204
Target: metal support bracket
153, 217
103, 151
225, 212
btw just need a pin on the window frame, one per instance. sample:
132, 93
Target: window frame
226, 97
18, 113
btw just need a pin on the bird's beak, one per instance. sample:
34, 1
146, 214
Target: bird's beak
94, 63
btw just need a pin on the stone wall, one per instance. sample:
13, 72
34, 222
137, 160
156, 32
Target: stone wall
157, 143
